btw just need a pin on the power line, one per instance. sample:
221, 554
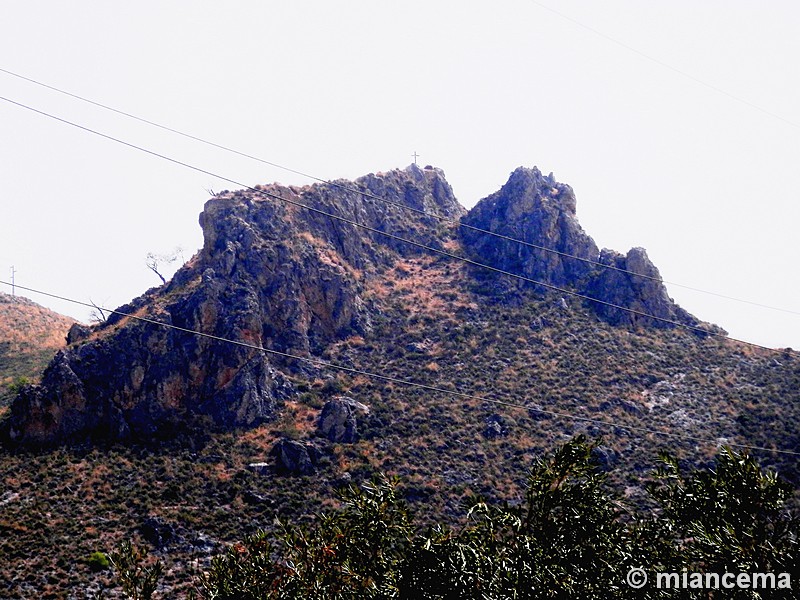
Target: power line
463, 259
667, 65
367, 194
407, 382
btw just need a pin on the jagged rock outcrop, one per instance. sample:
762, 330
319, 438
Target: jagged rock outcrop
542, 212
304, 267
635, 285
276, 271
271, 274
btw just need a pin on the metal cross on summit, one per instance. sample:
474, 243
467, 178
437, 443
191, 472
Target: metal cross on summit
415, 155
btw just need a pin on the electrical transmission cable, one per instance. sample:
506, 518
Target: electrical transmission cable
634, 429
261, 192
372, 196
661, 63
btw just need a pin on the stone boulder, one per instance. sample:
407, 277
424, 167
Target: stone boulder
259, 468
157, 532
295, 458
495, 427
338, 419
605, 457
78, 332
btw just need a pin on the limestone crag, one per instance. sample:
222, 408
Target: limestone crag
542, 212
636, 285
276, 271
270, 274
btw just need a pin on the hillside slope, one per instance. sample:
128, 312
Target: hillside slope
29, 337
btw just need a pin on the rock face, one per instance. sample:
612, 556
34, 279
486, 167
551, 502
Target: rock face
277, 272
542, 212
537, 210
270, 274
338, 419
644, 294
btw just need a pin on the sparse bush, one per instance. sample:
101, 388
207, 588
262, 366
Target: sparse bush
18, 384
97, 561
731, 518
332, 387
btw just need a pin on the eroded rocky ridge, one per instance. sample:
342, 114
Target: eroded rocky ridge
542, 212
276, 275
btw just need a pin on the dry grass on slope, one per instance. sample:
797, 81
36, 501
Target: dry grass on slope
29, 336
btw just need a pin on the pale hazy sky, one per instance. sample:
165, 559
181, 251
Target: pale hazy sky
616, 98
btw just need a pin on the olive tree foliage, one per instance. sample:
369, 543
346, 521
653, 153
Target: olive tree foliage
569, 537
730, 519
137, 578
352, 553
566, 539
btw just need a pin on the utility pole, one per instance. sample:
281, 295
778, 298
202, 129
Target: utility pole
13, 271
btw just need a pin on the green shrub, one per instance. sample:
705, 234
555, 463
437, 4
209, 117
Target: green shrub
97, 561
18, 384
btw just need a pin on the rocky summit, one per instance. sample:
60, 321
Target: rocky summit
277, 271
557, 252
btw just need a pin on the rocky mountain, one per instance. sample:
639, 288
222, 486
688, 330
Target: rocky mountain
30, 335
202, 442
274, 274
